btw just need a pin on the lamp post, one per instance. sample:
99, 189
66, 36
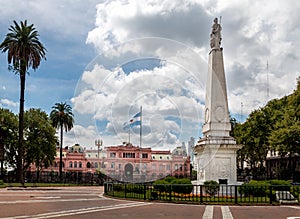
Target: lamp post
98, 143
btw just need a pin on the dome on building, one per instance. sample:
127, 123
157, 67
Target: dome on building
76, 149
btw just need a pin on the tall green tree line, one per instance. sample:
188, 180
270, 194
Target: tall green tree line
275, 127
39, 144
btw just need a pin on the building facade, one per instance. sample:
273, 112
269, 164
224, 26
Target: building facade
123, 162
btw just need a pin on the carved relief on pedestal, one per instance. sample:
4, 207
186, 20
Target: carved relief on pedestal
220, 113
223, 168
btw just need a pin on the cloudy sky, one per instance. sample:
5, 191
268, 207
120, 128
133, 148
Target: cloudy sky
108, 58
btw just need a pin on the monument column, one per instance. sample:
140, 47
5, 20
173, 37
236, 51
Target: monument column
216, 151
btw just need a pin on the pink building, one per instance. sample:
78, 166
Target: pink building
124, 162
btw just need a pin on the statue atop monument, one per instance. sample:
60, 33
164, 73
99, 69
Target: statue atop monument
215, 36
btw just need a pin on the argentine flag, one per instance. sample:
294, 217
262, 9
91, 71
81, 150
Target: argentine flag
134, 121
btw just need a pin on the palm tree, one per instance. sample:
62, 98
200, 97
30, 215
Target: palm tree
62, 117
24, 50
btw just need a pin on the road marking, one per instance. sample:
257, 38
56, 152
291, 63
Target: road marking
226, 212
296, 207
208, 212
49, 200
80, 211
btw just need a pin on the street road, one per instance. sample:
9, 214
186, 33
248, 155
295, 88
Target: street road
88, 202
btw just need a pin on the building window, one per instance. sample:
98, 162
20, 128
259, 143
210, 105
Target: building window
144, 155
70, 164
168, 167
180, 168
145, 166
160, 157
112, 165
89, 155
120, 166
161, 167
176, 166
75, 164
80, 165
112, 154
88, 165
153, 157
96, 165
128, 155
168, 157
153, 166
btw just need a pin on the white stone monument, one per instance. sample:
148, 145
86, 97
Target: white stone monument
216, 151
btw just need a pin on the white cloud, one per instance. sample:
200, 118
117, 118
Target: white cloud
8, 103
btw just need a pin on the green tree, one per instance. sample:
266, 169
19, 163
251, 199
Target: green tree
8, 136
275, 126
40, 144
24, 50
62, 118
253, 135
285, 136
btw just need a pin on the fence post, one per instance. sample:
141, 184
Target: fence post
235, 194
201, 194
170, 192
125, 191
271, 195
145, 191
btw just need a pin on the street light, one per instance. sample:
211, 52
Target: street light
98, 143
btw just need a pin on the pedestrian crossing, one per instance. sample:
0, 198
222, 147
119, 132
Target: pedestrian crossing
209, 212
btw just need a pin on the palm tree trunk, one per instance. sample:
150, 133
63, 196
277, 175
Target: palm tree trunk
21, 124
60, 152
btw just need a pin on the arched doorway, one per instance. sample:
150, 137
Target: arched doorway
128, 172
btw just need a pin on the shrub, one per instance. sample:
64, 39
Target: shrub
182, 186
280, 185
139, 189
254, 188
295, 190
118, 187
211, 187
161, 185
169, 179
1, 182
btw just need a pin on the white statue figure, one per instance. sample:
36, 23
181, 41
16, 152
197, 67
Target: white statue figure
215, 36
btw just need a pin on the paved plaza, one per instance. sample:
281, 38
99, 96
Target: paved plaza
88, 202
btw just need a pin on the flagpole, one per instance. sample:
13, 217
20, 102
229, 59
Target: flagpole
141, 128
141, 145
129, 135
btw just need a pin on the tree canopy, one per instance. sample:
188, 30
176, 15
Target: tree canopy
274, 127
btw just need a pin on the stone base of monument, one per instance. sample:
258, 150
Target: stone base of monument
217, 160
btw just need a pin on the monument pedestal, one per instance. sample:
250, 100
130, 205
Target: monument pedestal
216, 159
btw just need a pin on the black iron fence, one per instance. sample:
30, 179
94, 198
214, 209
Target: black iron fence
53, 177
222, 194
